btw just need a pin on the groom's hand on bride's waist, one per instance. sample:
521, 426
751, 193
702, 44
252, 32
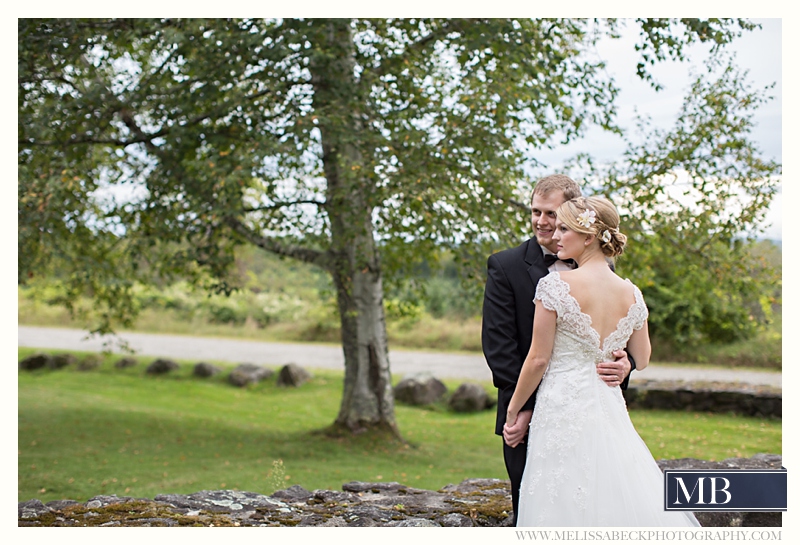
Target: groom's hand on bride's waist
614, 372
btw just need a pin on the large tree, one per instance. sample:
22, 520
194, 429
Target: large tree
361, 146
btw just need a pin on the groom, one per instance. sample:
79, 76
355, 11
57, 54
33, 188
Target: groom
508, 318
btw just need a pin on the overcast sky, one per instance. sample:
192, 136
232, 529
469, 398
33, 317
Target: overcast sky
758, 51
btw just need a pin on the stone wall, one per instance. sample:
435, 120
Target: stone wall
473, 502
714, 397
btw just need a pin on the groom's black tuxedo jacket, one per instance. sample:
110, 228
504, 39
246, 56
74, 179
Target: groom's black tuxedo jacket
507, 328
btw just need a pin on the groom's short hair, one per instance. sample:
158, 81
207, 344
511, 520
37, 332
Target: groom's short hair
557, 182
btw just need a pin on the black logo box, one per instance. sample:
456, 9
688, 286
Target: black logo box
728, 490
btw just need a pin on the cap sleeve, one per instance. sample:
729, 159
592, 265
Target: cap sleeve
548, 291
640, 312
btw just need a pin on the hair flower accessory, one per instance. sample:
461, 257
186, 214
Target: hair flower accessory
587, 218
605, 236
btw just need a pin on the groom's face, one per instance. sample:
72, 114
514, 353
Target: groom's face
543, 217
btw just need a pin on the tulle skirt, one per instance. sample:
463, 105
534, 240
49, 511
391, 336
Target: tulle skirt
586, 464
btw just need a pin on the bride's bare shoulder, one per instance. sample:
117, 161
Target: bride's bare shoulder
588, 277
597, 281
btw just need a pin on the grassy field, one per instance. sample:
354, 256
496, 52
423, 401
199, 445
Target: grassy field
112, 431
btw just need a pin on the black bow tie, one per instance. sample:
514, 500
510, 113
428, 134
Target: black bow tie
549, 259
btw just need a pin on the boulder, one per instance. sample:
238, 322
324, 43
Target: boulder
161, 367
36, 361
104, 500
221, 501
469, 397
124, 363
414, 522
293, 375
59, 361
32, 509
419, 389
205, 370
249, 373
58, 505
90, 362
294, 493
455, 520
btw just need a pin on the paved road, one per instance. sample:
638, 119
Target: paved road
403, 362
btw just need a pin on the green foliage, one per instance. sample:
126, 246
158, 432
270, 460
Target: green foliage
118, 431
402, 310
440, 287
692, 199
763, 350
660, 41
726, 298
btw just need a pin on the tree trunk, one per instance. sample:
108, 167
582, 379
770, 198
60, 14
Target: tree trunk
368, 399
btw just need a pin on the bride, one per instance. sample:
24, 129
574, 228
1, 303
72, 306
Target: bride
586, 464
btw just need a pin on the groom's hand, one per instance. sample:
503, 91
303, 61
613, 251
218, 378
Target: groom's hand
514, 432
614, 372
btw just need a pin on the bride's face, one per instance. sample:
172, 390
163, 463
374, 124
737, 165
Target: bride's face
569, 244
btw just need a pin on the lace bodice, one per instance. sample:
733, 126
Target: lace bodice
572, 322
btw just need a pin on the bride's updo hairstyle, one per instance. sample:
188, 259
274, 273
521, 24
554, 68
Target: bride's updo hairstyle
594, 216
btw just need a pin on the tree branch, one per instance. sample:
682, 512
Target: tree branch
140, 136
284, 204
321, 259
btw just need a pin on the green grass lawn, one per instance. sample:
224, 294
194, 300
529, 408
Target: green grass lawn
111, 431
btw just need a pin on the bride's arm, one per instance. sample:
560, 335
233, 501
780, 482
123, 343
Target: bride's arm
544, 330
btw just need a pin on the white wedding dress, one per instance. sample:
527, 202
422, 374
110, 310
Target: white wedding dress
586, 464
